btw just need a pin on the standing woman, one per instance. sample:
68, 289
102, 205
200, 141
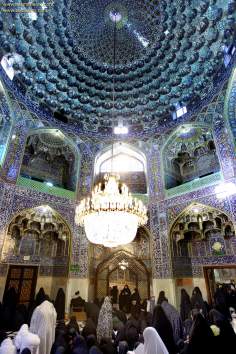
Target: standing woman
201, 339
185, 305
105, 326
197, 301
163, 327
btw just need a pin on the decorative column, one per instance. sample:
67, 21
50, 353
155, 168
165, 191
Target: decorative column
225, 148
79, 263
162, 269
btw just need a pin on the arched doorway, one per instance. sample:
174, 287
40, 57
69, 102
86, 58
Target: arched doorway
119, 269
37, 251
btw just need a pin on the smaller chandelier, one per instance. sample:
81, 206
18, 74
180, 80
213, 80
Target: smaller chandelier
123, 265
111, 216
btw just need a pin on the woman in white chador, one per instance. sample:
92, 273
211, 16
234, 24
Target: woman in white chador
7, 347
25, 339
153, 343
43, 323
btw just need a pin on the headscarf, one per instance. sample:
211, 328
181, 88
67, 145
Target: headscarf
163, 327
43, 323
185, 305
40, 297
25, 339
91, 341
107, 347
73, 324
153, 343
60, 304
122, 347
60, 341
94, 350
161, 297
80, 346
104, 327
175, 320
89, 328
7, 347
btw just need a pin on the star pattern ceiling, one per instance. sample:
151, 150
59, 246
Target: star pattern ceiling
168, 52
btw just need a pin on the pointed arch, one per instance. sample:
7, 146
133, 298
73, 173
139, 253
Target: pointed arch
126, 160
52, 158
188, 154
135, 267
195, 235
39, 236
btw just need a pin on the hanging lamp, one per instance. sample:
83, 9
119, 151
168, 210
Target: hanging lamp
111, 216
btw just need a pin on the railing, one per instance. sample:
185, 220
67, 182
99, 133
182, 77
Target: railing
193, 185
44, 188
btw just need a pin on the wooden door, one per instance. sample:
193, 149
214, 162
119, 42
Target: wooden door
23, 279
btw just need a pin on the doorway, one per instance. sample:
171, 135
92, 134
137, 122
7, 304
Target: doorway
23, 279
119, 269
218, 275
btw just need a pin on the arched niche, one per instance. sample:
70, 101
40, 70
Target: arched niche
38, 236
5, 123
111, 272
137, 254
189, 154
50, 157
125, 160
201, 235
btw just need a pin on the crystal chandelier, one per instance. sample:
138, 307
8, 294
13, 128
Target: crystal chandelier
111, 216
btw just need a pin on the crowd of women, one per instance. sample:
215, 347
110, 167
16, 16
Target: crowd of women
197, 329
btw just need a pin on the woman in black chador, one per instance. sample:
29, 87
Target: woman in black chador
185, 305
114, 294
201, 339
197, 301
124, 299
161, 297
60, 304
163, 327
9, 308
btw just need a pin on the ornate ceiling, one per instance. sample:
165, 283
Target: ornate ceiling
167, 52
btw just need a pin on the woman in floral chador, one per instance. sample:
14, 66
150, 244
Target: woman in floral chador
104, 328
